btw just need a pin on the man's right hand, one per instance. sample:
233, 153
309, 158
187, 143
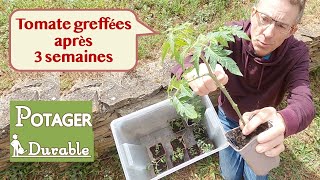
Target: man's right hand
204, 85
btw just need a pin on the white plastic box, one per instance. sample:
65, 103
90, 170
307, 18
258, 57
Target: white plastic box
136, 132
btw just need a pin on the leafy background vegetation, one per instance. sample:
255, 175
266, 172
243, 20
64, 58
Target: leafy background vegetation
301, 158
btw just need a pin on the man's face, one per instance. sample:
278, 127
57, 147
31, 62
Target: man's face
267, 35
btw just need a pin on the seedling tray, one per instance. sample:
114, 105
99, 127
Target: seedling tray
135, 133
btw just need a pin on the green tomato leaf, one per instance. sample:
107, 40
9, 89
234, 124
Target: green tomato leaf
211, 57
220, 55
242, 35
213, 63
174, 83
221, 39
228, 36
171, 42
185, 91
165, 48
179, 58
196, 57
199, 107
184, 109
230, 65
237, 31
180, 42
227, 52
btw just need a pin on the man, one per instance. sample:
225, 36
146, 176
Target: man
272, 63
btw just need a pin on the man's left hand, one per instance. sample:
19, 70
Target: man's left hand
271, 140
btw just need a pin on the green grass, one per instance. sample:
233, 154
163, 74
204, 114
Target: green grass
106, 167
6, 81
208, 168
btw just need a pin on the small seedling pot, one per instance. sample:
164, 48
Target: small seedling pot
177, 161
193, 151
177, 143
157, 150
259, 162
199, 132
160, 165
177, 125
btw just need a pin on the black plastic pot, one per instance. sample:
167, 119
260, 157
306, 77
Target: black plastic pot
177, 125
157, 150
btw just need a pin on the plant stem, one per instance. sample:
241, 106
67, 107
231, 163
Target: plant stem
223, 89
198, 77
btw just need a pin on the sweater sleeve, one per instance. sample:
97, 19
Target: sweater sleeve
300, 109
177, 69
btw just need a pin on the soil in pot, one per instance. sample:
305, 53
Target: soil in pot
199, 132
177, 143
177, 157
238, 140
177, 125
157, 151
160, 165
194, 151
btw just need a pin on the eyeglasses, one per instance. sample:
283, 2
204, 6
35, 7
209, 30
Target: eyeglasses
265, 21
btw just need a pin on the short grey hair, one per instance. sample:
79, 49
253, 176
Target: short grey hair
300, 3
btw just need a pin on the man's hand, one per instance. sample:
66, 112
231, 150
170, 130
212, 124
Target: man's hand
271, 140
204, 85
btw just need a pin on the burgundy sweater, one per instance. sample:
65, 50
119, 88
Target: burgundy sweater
265, 82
